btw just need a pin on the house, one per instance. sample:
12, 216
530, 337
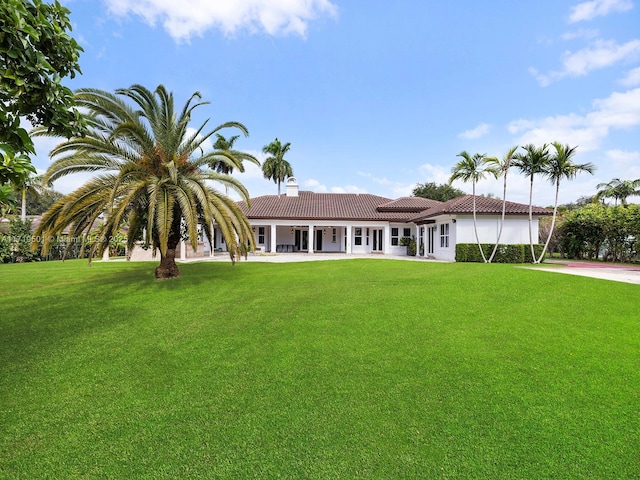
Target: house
351, 223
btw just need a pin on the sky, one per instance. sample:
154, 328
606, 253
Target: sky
378, 96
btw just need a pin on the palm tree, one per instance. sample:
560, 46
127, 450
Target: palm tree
618, 190
471, 168
32, 185
151, 174
500, 168
559, 166
531, 163
226, 158
275, 167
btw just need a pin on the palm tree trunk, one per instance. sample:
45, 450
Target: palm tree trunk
553, 224
278, 187
23, 213
168, 268
533, 253
504, 209
475, 227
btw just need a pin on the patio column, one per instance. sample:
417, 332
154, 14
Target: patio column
387, 240
272, 239
213, 241
183, 250
348, 237
312, 237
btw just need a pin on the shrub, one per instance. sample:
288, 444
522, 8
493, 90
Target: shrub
519, 253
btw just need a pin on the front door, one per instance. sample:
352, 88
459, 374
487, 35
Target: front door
431, 239
318, 247
377, 240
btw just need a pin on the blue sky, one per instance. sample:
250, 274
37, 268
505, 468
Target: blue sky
378, 96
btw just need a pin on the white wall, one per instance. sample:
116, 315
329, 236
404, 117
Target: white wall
515, 230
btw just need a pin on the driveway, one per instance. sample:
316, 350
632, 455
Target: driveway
604, 271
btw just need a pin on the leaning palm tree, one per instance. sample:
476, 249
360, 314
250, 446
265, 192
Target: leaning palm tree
151, 174
500, 168
275, 167
471, 168
227, 158
531, 163
559, 166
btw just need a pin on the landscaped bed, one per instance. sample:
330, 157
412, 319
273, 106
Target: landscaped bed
345, 369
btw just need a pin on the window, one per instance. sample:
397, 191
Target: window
367, 237
334, 236
260, 235
406, 232
358, 237
394, 237
444, 235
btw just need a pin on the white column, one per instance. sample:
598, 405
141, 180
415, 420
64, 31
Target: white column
213, 241
273, 239
348, 235
183, 250
387, 240
312, 237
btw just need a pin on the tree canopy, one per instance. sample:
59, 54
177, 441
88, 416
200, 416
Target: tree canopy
433, 191
151, 173
36, 53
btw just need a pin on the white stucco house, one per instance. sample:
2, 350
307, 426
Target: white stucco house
351, 223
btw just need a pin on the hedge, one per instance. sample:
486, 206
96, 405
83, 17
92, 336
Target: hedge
520, 253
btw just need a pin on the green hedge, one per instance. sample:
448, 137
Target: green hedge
520, 253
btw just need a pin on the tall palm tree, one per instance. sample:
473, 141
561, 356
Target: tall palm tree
559, 166
618, 190
471, 168
275, 167
500, 168
151, 173
227, 158
531, 163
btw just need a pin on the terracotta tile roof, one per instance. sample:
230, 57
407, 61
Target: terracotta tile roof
409, 204
324, 206
484, 206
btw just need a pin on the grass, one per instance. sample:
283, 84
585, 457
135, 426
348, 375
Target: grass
342, 369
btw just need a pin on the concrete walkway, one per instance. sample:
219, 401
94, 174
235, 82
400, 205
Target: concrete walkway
302, 257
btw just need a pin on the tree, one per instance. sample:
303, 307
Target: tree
560, 165
500, 168
41, 200
618, 190
14, 172
226, 158
471, 168
275, 167
531, 163
431, 190
152, 175
36, 53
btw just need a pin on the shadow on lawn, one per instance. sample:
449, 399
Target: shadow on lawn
78, 304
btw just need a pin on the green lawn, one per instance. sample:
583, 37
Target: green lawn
326, 370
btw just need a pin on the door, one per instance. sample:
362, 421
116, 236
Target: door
431, 239
318, 247
301, 240
377, 240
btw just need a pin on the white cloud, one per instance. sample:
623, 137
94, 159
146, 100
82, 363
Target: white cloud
433, 173
602, 54
585, 34
632, 79
193, 17
348, 189
595, 8
378, 180
622, 158
480, 131
315, 186
619, 110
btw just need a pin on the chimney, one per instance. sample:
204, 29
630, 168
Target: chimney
292, 187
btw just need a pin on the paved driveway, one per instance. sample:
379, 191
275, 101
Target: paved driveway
616, 273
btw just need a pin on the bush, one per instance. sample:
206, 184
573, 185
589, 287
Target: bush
519, 253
